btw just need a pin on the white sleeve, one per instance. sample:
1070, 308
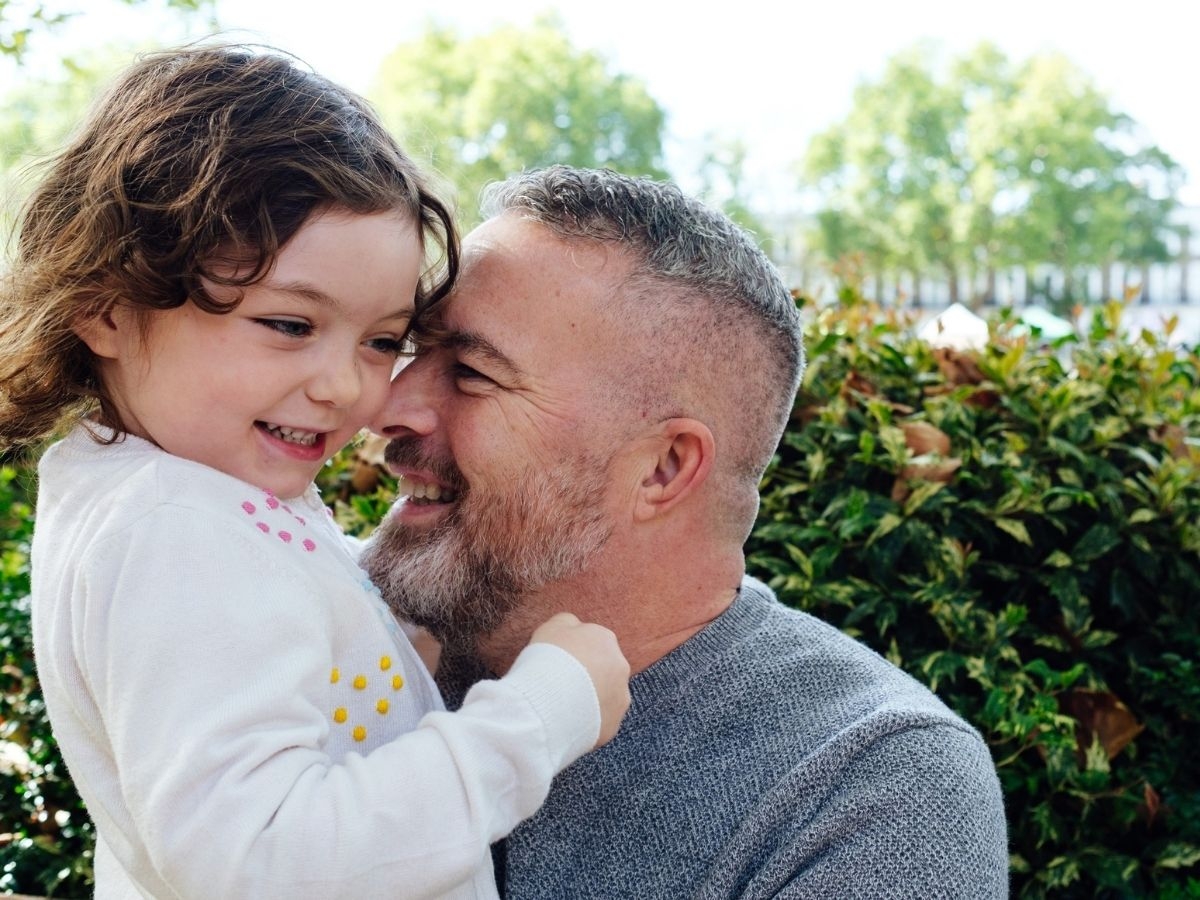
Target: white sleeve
207, 668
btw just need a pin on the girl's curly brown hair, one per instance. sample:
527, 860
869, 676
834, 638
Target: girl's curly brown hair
195, 156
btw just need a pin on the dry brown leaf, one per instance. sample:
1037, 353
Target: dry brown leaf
1102, 715
368, 464
1151, 803
807, 413
958, 367
923, 438
855, 383
983, 398
1173, 438
365, 478
941, 471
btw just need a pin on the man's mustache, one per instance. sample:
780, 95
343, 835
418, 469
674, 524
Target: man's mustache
407, 452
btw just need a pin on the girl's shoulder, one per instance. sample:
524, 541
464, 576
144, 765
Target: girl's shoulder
134, 481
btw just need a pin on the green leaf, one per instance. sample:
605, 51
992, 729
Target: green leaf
1178, 855
1097, 541
889, 523
1057, 559
1015, 528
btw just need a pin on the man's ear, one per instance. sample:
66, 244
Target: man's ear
102, 332
679, 462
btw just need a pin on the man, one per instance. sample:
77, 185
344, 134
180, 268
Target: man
584, 430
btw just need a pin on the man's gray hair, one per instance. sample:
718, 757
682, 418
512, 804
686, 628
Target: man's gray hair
706, 301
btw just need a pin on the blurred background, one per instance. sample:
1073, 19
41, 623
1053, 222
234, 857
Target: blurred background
1035, 155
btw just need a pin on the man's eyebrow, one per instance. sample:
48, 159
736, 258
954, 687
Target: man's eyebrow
469, 342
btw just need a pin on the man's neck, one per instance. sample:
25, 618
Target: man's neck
651, 612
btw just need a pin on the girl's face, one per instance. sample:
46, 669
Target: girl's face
268, 392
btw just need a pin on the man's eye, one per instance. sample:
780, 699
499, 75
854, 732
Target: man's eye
289, 327
463, 372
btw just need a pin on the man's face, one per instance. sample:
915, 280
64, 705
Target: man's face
502, 435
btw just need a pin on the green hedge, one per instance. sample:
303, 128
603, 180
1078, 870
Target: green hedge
1018, 528
45, 834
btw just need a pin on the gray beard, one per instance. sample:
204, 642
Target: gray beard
466, 576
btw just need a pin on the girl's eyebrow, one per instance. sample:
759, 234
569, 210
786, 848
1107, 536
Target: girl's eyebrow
306, 291
470, 342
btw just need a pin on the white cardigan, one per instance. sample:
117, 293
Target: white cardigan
240, 712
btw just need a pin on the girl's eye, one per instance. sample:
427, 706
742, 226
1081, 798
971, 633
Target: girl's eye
289, 327
391, 346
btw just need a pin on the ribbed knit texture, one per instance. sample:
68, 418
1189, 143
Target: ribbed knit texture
771, 756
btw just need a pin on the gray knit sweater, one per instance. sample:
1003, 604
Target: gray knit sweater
770, 756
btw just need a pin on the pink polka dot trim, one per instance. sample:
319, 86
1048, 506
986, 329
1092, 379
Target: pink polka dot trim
249, 508
272, 503
309, 545
285, 536
263, 527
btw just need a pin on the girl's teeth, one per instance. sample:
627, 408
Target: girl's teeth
293, 435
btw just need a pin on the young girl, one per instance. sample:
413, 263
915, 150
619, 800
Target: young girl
213, 283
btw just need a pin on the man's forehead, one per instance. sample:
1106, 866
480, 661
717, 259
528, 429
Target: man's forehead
502, 237
525, 246
533, 298
517, 270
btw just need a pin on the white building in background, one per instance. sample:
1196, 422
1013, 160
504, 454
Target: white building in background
1157, 294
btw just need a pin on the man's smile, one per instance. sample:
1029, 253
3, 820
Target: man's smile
420, 492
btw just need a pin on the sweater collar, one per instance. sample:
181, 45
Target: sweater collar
691, 658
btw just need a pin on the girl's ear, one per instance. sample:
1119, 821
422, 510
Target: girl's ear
679, 463
102, 332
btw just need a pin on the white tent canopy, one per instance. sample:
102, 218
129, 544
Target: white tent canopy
1052, 327
955, 327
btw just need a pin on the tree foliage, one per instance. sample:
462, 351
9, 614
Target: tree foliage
20, 22
722, 183
964, 169
38, 115
480, 108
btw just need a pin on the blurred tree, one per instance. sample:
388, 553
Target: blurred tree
1093, 193
20, 21
38, 115
963, 169
722, 183
480, 108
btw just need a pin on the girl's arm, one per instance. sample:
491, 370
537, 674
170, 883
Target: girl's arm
211, 671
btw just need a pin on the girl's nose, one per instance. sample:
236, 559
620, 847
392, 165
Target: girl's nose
337, 381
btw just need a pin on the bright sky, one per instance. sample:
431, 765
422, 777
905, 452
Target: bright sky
769, 72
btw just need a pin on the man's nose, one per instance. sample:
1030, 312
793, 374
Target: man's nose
413, 402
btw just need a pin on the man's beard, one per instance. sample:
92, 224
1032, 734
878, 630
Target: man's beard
463, 577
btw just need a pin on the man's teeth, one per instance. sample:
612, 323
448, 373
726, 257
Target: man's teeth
424, 491
292, 435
